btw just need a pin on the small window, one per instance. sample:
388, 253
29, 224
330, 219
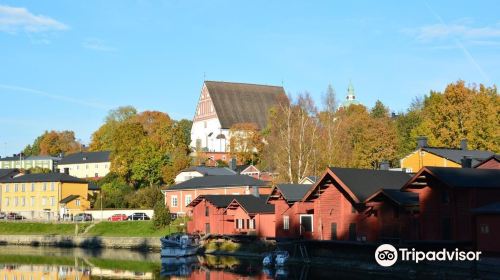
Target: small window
16, 187
77, 202
7, 188
7, 200
32, 201
32, 187
485, 229
44, 187
23, 187
53, 201
52, 186
207, 211
44, 201
187, 199
23, 201
286, 222
306, 223
252, 224
96, 165
16, 201
174, 201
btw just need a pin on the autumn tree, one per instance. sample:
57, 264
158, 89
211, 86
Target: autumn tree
329, 125
53, 143
292, 136
101, 139
462, 112
245, 143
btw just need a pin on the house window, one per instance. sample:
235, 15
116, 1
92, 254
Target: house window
52, 201
23, 201
16, 201
32, 201
96, 165
44, 187
7, 201
23, 187
174, 201
52, 186
485, 229
306, 223
239, 224
86, 166
207, 211
7, 188
77, 202
16, 187
32, 187
286, 222
44, 201
445, 197
187, 199
252, 224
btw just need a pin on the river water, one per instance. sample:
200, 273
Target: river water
33, 263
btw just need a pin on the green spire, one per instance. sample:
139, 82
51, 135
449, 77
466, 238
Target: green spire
350, 97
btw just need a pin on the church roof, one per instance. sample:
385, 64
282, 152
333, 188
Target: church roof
243, 103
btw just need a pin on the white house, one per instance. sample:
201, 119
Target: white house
223, 104
86, 164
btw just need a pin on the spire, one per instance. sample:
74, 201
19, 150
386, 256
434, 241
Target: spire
350, 97
350, 92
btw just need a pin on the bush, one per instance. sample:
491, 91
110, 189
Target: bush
162, 216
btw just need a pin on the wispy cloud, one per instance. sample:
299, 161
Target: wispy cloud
97, 45
461, 31
18, 19
17, 89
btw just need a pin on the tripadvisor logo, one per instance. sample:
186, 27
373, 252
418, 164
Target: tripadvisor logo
387, 255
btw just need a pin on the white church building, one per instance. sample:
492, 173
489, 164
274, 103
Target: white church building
223, 104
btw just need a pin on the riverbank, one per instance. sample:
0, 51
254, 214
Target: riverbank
101, 229
136, 235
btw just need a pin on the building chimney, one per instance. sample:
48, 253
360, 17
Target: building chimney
232, 164
463, 144
421, 142
384, 165
466, 162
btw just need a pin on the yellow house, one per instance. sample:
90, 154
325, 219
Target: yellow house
44, 196
86, 164
443, 157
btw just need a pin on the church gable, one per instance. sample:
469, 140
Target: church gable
205, 108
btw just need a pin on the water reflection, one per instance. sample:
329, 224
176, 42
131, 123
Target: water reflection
30, 263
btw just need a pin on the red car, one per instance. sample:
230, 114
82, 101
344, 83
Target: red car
117, 217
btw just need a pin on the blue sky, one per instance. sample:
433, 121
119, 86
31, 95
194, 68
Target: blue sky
64, 64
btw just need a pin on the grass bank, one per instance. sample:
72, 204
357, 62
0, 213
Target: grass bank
129, 229
110, 229
14, 228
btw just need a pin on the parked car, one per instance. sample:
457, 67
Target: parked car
15, 216
138, 216
82, 217
3, 216
118, 217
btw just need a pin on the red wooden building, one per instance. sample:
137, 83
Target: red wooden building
288, 208
208, 214
231, 214
446, 198
393, 210
178, 196
487, 225
339, 206
251, 215
492, 162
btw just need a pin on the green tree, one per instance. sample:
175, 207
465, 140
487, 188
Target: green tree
145, 198
162, 217
379, 110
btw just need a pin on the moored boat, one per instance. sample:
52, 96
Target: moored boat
176, 246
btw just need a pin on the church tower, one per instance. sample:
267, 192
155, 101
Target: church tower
350, 97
